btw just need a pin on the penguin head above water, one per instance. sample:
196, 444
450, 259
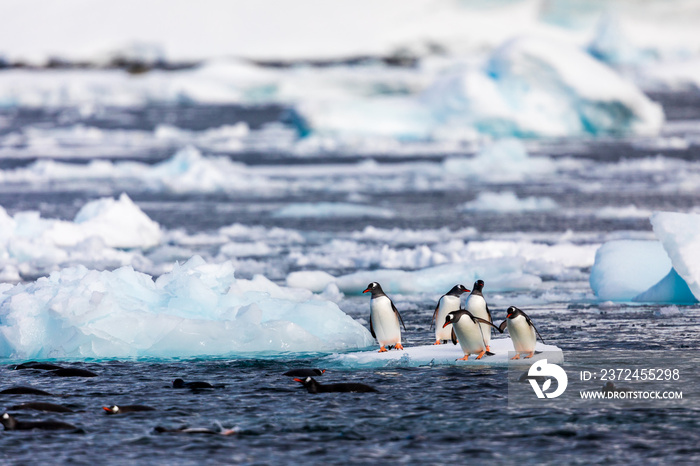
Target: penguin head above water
112, 409
8, 421
309, 383
457, 290
375, 288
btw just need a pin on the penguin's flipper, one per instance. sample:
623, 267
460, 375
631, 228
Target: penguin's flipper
484, 321
432, 322
503, 325
371, 329
453, 336
489, 313
399, 315
536, 331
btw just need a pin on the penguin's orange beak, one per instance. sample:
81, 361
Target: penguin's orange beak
509, 316
107, 409
366, 290
468, 291
323, 371
446, 324
298, 380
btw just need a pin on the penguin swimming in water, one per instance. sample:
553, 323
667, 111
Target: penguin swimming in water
448, 302
11, 423
522, 332
466, 328
24, 391
40, 406
37, 365
304, 372
126, 409
476, 305
314, 387
179, 383
72, 372
384, 319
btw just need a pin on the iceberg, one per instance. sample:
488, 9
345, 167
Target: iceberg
198, 309
663, 271
528, 87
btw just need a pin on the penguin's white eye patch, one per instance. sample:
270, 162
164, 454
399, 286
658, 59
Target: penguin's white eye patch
5, 416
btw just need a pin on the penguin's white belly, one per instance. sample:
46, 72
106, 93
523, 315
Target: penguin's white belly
446, 305
477, 306
385, 322
522, 334
469, 336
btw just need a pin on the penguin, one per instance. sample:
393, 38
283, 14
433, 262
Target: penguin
447, 303
522, 332
24, 391
314, 387
384, 319
610, 387
126, 409
304, 372
11, 423
476, 304
195, 430
37, 365
466, 328
179, 383
72, 372
46, 407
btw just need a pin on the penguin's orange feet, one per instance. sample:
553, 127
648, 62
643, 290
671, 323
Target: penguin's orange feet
465, 358
398, 346
481, 355
517, 356
382, 349
437, 342
488, 348
532, 353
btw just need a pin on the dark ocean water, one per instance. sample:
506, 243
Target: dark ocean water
425, 415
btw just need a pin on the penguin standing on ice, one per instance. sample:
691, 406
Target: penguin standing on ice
476, 305
522, 331
466, 328
447, 303
384, 319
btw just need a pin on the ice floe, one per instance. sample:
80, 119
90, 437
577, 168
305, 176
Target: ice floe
198, 309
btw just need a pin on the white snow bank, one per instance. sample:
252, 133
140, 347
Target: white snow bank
652, 271
415, 356
198, 309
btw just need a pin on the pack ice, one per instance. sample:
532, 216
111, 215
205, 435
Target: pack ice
663, 271
199, 309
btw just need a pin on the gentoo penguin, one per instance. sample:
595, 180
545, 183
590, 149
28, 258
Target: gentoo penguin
447, 303
11, 423
72, 372
126, 409
24, 391
179, 383
522, 332
476, 304
40, 406
314, 387
384, 319
304, 372
466, 328
610, 387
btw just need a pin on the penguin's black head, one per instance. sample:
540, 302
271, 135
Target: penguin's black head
451, 318
478, 285
178, 383
458, 290
112, 410
512, 312
319, 371
372, 287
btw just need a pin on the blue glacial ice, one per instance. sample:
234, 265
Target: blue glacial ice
664, 271
527, 88
198, 309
